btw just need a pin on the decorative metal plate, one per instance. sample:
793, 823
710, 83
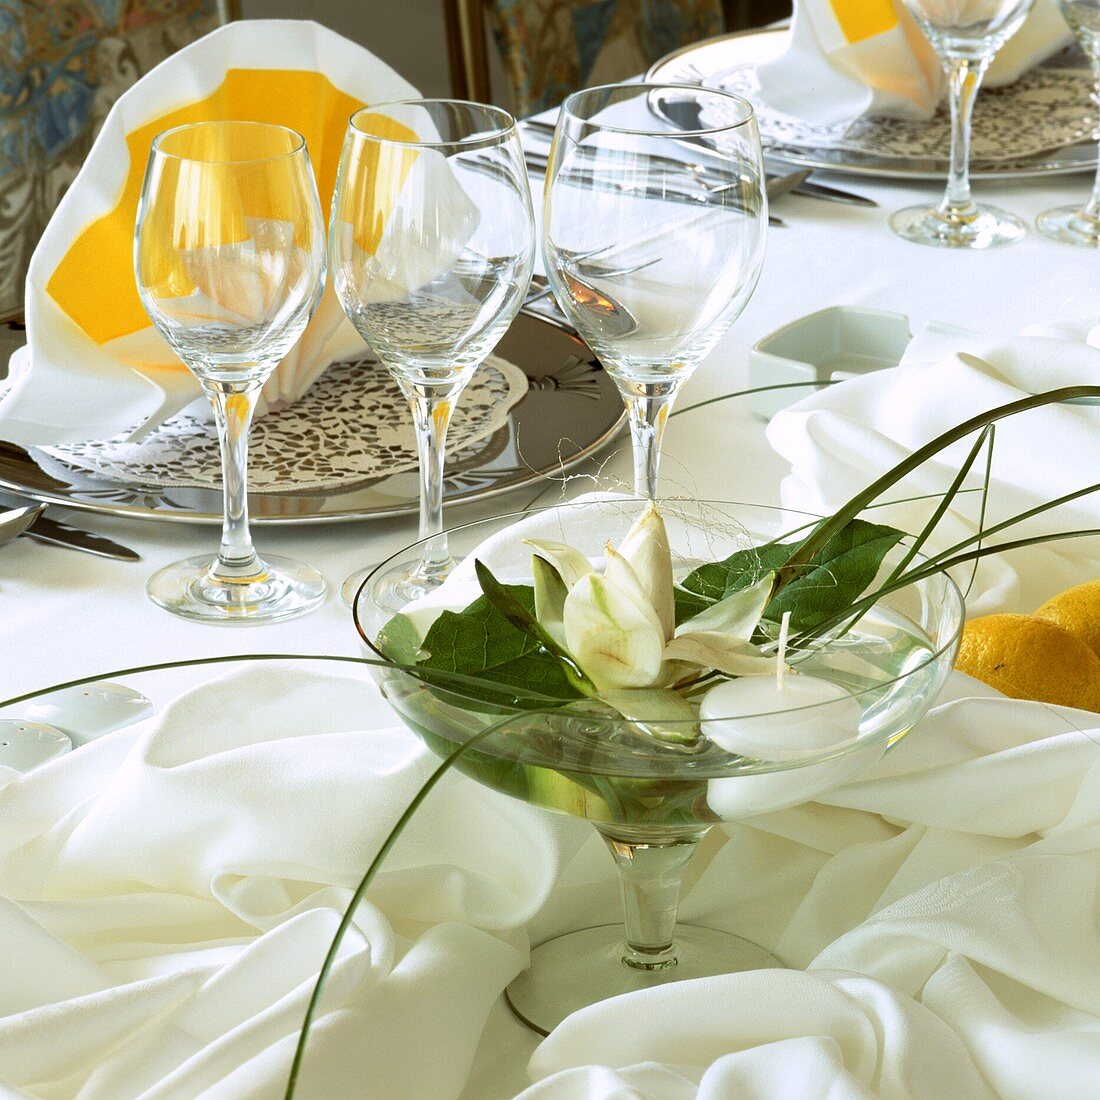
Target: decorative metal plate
706, 63
571, 410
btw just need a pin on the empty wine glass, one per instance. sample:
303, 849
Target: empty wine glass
653, 236
1080, 224
431, 246
966, 34
229, 258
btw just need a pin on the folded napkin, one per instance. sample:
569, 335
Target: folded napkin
848, 58
170, 890
842, 438
95, 366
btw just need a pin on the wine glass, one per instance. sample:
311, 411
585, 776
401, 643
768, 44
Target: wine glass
230, 263
1072, 224
431, 246
966, 35
653, 236
653, 798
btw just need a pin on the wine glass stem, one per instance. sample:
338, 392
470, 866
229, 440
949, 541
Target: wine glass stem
648, 405
964, 77
650, 876
432, 408
1092, 207
234, 404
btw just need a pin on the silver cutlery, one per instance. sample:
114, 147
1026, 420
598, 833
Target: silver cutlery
76, 538
16, 520
806, 187
27, 520
536, 162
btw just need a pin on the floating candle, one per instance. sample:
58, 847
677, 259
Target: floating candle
785, 719
755, 716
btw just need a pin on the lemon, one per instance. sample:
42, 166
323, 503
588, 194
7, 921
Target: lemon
1078, 611
1027, 657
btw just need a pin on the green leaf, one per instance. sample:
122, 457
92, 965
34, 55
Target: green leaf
480, 641
521, 614
826, 584
399, 640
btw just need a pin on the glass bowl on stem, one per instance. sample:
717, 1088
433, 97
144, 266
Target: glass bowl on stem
966, 37
653, 799
1080, 225
229, 258
431, 246
654, 218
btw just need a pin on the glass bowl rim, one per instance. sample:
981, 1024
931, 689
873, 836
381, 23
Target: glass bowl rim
952, 592
506, 128
298, 144
744, 106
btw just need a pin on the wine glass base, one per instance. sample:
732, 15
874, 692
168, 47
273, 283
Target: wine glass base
392, 590
1070, 225
282, 589
570, 972
986, 227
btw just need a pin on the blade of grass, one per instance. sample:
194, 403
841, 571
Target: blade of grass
847, 512
945, 502
986, 482
364, 884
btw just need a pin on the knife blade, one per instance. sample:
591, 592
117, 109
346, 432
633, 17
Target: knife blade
49, 530
814, 190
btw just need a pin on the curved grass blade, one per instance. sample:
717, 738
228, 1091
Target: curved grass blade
847, 512
364, 884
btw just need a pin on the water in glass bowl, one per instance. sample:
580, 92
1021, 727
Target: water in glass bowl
585, 759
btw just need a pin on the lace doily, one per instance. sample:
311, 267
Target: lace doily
1048, 108
352, 425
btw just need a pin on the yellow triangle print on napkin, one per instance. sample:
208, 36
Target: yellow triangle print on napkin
862, 19
107, 306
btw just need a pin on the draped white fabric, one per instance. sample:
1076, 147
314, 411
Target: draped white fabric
174, 887
840, 439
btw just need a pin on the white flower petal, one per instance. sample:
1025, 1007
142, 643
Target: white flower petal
616, 640
658, 711
738, 614
571, 564
550, 593
724, 652
646, 548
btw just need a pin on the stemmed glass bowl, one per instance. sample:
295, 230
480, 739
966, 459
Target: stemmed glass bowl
229, 259
652, 801
966, 35
1080, 224
653, 235
431, 245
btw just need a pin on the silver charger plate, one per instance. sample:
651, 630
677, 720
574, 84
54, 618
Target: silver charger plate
705, 63
571, 409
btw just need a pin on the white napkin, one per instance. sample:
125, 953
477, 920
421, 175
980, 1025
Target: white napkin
848, 58
170, 892
841, 439
94, 366
167, 894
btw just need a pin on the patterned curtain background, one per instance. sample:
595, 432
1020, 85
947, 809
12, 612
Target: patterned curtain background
63, 63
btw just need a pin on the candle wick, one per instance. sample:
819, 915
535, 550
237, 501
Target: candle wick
781, 656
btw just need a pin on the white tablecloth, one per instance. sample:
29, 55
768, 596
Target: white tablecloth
64, 614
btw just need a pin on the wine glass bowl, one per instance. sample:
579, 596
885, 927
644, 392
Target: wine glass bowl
431, 246
1080, 225
653, 798
229, 263
966, 35
653, 236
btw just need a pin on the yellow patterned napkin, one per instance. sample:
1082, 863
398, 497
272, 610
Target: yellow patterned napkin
849, 58
95, 366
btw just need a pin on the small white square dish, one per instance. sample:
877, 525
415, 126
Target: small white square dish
830, 345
